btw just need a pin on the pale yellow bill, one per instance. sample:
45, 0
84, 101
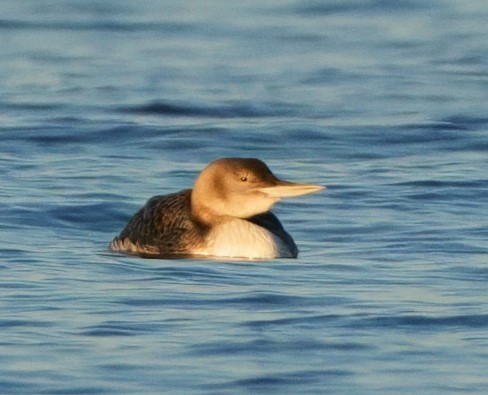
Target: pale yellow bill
287, 189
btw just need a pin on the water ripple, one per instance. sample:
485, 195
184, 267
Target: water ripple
232, 110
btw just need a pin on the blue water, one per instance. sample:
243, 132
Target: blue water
105, 104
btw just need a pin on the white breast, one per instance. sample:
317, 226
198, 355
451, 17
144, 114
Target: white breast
242, 239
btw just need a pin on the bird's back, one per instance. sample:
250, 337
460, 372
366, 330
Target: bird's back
164, 226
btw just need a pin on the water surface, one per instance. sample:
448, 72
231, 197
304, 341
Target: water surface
105, 104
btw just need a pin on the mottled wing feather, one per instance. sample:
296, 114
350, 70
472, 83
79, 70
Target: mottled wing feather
162, 227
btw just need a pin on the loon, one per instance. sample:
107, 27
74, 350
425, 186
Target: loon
226, 215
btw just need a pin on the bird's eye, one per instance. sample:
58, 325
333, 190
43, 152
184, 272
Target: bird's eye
243, 178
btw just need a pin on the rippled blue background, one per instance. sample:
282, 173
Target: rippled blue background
106, 103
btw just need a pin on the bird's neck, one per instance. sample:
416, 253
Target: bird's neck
206, 214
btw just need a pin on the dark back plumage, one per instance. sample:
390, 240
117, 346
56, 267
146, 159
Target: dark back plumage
165, 225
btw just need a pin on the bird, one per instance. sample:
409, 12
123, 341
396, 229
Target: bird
225, 215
